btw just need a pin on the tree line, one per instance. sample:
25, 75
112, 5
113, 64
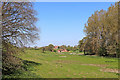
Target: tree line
50, 47
102, 33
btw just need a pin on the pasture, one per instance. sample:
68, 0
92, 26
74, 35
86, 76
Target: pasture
65, 65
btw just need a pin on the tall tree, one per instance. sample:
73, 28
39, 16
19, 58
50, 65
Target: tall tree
102, 30
18, 28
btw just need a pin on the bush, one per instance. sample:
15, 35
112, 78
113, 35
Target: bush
55, 51
118, 52
10, 63
102, 51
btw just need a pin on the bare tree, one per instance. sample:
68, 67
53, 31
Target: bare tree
18, 29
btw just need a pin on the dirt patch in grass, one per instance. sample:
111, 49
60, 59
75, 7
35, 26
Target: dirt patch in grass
103, 68
109, 70
98, 65
67, 61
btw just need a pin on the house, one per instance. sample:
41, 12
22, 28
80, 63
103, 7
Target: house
65, 50
62, 50
55, 47
59, 51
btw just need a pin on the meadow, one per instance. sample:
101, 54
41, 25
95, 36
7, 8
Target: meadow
65, 65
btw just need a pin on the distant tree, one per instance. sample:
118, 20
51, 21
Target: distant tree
63, 47
35, 47
50, 47
43, 49
75, 48
68, 48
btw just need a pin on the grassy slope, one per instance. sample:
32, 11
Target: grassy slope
71, 66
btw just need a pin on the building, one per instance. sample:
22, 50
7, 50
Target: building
55, 47
62, 50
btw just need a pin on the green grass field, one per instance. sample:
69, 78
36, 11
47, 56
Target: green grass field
55, 65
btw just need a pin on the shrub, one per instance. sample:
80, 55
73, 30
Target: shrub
102, 51
55, 51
